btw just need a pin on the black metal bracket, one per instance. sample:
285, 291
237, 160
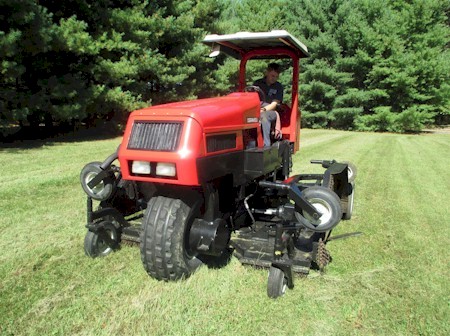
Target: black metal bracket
283, 244
294, 194
98, 178
212, 203
286, 267
338, 173
92, 216
105, 167
285, 153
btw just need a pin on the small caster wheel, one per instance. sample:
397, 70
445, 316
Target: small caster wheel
102, 242
277, 283
351, 170
327, 203
348, 209
104, 189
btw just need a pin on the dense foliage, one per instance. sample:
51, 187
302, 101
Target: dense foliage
374, 65
90, 59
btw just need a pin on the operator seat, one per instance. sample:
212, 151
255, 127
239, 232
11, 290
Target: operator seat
282, 123
284, 112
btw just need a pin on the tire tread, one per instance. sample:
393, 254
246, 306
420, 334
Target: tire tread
162, 243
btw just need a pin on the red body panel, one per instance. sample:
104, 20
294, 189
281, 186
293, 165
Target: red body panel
205, 117
219, 116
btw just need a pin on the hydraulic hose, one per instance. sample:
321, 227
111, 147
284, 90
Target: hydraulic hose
110, 159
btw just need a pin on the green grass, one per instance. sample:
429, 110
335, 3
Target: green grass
392, 280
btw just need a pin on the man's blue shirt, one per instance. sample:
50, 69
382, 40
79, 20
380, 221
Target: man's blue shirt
273, 92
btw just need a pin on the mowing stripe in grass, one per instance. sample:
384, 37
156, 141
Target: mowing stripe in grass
392, 280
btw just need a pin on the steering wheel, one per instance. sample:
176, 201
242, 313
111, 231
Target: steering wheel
254, 88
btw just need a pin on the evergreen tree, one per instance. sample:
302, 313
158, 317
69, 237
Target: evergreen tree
84, 59
26, 33
366, 47
374, 65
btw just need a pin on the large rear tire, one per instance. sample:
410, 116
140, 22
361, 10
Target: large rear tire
164, 244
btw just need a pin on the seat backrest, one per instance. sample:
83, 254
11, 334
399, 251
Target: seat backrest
285, 117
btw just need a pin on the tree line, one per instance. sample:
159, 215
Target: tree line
378, 65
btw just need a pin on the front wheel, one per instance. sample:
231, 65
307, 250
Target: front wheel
164, 244
277, 283
102, 242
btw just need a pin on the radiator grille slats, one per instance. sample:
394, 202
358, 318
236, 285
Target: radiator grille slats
217, 143
156, 136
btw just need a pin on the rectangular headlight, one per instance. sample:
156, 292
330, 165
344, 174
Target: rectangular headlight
166, 169
141, 167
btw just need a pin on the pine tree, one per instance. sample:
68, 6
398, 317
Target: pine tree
374, 65
85, 59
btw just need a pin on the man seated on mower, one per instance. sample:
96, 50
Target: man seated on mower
273, 96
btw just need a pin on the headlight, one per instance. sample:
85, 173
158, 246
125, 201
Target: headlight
141, 167
166, 169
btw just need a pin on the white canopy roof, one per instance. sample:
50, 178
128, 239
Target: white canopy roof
240, 43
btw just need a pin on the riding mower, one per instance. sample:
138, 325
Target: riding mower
195, 184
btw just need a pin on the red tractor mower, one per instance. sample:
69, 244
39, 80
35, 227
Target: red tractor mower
196, 185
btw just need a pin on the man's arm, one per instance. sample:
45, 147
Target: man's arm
271, 107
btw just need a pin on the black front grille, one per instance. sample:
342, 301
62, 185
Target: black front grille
156, 136
217, 143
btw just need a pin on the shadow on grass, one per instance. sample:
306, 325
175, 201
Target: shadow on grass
29, 138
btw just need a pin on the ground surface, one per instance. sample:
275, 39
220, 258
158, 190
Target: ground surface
392, 280
438, 130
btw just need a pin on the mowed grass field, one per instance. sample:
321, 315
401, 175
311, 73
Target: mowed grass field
394, 279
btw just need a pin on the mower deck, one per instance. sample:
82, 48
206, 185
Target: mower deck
255, 246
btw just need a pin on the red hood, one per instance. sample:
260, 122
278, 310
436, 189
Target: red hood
230, 110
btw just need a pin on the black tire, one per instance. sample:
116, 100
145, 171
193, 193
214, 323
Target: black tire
101, 191
164, 244
102, 242
348, 205
276, 283
327, 203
